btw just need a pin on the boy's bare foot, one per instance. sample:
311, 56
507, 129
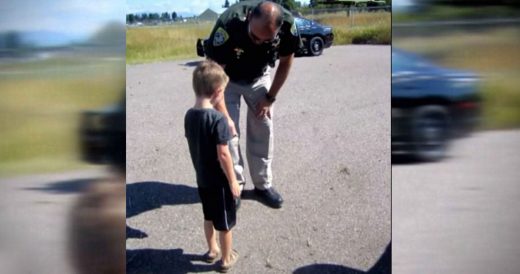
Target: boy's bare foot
211, 256
225, 265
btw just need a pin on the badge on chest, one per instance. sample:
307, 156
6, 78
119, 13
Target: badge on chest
238, 52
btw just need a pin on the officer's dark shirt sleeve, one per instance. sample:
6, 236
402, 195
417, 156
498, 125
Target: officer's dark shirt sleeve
218, 51
221, 133
290, 40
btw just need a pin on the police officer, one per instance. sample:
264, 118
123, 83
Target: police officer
248, 38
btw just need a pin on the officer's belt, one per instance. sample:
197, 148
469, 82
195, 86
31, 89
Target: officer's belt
249, 81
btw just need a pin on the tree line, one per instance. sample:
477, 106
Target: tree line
152, 17
173, 17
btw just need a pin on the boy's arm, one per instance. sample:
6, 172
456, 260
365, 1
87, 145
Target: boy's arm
226, 163
221, 106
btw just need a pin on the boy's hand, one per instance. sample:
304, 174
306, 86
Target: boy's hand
235, 190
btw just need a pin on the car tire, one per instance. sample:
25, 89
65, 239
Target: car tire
200, 47
316, 46
430, 128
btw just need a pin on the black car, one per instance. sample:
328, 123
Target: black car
431, 105
315, 38
102, 135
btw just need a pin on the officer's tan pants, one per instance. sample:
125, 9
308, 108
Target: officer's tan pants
259, 143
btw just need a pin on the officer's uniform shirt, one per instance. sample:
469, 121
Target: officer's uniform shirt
230, 44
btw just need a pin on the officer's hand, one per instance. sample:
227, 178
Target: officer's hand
263, 108
232, 128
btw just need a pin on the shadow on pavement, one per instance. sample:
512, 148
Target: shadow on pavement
404, 160
382, 266
249, 194
326, 269
145, 196
410, 160
132, 233
159, 261
192, 63
65, 187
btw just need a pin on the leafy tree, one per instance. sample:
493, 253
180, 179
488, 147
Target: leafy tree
226, 4
288, 4
165, 17
130, 18
13, 40
174, 16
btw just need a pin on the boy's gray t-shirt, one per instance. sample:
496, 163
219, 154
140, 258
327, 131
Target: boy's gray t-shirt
204, 129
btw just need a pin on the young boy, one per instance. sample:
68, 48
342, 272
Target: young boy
208, 133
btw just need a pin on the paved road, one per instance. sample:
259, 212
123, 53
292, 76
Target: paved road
34, 220
460, 215
332, 165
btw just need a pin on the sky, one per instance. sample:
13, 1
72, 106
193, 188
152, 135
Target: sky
71, 17
193, 7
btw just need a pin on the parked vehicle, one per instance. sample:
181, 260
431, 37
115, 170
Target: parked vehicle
431, 105
102, 135
315, 37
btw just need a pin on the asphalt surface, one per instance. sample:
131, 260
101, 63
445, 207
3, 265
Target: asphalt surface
460, 215
34, 220
331, 164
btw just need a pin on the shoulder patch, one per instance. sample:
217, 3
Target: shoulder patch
294, 31
221, 36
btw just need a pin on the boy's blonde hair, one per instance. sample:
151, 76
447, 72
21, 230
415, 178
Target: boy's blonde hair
208, 76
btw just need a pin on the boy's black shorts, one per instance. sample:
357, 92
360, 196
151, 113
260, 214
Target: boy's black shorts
219, 207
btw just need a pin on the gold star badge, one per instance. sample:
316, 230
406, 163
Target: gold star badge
238, 52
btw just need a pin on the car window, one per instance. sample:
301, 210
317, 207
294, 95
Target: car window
398, 61
302, 23
401, 61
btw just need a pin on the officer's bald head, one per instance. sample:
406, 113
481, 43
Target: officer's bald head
265, 21
269, 13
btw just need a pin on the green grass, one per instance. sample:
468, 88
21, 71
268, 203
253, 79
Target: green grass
493, 53
363, 28
501, 95
149, 44
40, 108
177, 42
